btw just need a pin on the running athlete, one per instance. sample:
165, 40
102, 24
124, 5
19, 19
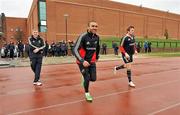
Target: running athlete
127, 49
86, 51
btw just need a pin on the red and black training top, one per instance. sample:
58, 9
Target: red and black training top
87, 48
127, 45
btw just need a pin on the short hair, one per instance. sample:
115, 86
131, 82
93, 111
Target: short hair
91, 22
128, 29
34, 29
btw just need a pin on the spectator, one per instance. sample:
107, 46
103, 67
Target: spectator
71, 47
104, 48
26, 48
115, 47
53, 49
145, 46
138, 47
149, 46
20, 49
11, 48
46, 49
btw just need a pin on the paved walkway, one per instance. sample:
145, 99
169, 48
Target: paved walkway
4, 63
21, 62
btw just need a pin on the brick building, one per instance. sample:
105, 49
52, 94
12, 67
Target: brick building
13, 29
66, 19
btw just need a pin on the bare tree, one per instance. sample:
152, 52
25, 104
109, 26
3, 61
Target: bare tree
18, 34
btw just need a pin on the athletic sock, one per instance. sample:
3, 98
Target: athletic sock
120, 67
86, 86
87, 94
129, 75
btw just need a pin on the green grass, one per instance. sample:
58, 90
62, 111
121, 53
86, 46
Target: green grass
163, 54
161, 43
156, 42
108, 41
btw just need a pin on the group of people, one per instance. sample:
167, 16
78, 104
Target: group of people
86, 51
12, 50
147, 46
59, 48
20, 49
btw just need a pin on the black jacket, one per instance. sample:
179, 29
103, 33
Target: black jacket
127, 45
36, 43
87, 48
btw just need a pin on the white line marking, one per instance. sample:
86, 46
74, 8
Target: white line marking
166, 108
103, 96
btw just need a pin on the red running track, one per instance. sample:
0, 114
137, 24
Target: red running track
157, 90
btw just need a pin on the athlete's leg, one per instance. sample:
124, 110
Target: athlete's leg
120, 67
129, 71
86, 75
128, 63
92, 71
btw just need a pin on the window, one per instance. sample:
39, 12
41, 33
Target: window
42, 15
42, 10
42, 28
43, 23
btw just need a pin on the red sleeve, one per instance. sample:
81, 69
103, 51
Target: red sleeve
122, 50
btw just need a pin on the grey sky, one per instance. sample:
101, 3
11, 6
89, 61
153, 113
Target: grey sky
15, 8
172, 6
20, 8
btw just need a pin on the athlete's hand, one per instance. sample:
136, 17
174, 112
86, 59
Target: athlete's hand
86, 64
36, 50
127, 56
136, 52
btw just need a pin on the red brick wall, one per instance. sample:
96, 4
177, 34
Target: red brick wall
12, 24
32, 21
113, 19
172, 28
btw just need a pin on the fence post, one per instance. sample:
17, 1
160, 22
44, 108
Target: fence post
170, 44
141, 44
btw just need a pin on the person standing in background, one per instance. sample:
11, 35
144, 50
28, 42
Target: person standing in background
36, 46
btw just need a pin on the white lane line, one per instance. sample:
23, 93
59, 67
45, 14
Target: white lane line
164, 109
98, 97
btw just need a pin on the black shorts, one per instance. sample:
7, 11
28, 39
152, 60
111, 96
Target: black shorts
127, 60
88, 73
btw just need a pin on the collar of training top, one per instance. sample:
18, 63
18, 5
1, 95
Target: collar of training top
91, 34
34, 37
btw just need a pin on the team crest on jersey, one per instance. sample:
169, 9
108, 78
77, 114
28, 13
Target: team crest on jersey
87, 43
33, 41
95, 42
129, 39
39, 41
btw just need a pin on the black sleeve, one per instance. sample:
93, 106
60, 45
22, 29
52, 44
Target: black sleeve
77, 46
97, 49
43, 44
31, 46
